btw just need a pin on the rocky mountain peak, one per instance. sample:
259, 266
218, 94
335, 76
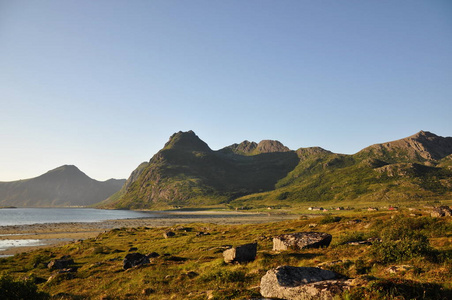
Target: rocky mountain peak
268, 146
421, 146
187, 141
245, 147
425, 134
252, 148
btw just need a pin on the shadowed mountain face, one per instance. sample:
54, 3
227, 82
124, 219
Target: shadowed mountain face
63, 186
186, 172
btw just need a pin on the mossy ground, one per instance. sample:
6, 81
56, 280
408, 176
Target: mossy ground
190, 266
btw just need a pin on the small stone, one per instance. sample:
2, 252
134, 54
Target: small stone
399, 268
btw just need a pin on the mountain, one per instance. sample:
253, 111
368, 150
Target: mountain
186, 172
423, 147
63, 186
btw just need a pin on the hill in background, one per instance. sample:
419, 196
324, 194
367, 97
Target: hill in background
63, 186
186, 172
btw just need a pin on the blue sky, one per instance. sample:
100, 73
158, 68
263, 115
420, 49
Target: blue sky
103, 84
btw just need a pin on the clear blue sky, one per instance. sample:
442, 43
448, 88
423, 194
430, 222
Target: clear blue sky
103, 84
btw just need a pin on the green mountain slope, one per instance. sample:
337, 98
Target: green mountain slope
412, 169
63, 186
186, 172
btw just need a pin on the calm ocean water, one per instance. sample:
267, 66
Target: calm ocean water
23, 216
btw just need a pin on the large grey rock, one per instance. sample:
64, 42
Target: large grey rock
301, 240
241, 254
302, 283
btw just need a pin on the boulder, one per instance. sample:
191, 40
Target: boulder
302, 283
62, 263
168, 234
135, 259
147, 291
241, 254
153, 255
301, 240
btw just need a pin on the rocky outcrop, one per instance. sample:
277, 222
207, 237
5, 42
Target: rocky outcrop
405, 169
270, 146
442, 211
251, 148
63, 263
135, 259
244, 148
302, 283
187, 141
399, 269
305, 153
301, 240
240, 254
421, 147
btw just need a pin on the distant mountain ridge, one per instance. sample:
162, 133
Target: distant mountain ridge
186, 172
63, 186
422, 147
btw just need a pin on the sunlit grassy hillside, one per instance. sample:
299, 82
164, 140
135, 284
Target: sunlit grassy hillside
190, 264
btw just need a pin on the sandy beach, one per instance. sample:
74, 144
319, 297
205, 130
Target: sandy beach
20, 238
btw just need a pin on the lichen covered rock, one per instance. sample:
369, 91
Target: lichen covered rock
302, 283
301, 240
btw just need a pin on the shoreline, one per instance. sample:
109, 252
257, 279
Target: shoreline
55, 234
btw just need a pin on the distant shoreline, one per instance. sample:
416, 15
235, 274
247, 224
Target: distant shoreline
54, 234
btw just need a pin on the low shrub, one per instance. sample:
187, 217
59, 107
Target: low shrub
224, 276
352, 236
11, 289
39, 261
397, 288
329, 219
401, 240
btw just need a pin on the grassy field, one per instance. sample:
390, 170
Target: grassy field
190, 265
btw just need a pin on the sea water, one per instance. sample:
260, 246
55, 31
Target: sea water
26, 216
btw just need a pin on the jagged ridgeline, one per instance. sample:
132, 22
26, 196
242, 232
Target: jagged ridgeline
186, 172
